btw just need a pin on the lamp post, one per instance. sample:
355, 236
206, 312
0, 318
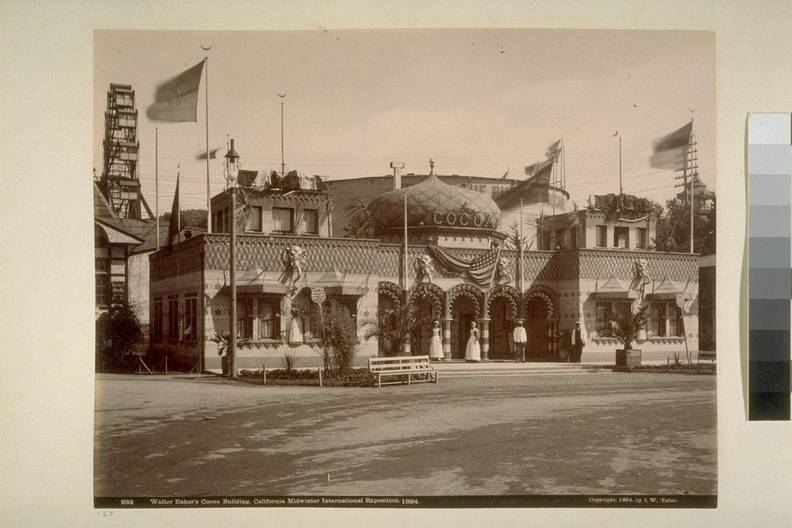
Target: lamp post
232, 171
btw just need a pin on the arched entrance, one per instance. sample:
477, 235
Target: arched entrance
464, 310
502, 312
536, 327
424, 311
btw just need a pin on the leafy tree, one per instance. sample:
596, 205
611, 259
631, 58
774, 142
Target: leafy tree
673, 229
118, 335
190, 218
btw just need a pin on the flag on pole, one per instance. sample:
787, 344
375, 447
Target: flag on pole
554, 150
175, 219
212, 154
176, 100
669, 151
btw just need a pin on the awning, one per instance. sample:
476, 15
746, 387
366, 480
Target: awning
612, 289
263, 287
256, 281
665, 290
116, 236
335, 283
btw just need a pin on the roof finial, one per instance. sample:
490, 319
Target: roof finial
431, 167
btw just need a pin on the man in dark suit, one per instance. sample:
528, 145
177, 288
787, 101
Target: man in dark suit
578, 342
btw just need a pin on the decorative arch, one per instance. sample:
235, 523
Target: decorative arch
392, 291
464, 290
512, 296
547, 295
432, 293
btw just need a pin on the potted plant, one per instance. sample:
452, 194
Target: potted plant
627, 326
222, 339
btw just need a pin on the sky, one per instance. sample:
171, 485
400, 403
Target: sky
477, 102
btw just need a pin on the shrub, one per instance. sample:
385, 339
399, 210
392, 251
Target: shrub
118, 336
339, 340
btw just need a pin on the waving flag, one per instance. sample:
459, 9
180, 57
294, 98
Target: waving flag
670, 150
176, 100
174, 227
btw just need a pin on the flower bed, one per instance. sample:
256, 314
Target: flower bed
306, 377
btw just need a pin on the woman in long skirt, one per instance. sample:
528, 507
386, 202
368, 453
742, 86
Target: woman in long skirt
436, 344
473, 350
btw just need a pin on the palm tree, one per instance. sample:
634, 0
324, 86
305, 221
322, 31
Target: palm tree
392, 327
361, 221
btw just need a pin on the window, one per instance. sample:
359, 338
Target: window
657, 320
254, 219
665, 320
573, 237
605, 316
244, 318
560, 239
156, 320
621, 237
282, 220
602, 236
173, 317
102, 289
267, 329
640, 235
311, 221
190, 319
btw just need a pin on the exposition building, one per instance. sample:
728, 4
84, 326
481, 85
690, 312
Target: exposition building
456, 265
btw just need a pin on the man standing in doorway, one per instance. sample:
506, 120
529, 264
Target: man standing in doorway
520, 339
578, 342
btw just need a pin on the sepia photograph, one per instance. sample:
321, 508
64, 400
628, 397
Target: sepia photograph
397, 264
414, 268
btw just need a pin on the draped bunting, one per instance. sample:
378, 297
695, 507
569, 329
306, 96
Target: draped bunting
479, 270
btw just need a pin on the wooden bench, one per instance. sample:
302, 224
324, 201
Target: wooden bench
407, 369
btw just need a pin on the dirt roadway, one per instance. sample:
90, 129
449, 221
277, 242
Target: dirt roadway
601, 433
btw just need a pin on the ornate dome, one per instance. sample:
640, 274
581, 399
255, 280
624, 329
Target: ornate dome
434, 204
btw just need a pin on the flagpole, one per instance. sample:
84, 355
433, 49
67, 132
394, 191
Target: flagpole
208, 191
178, 211
522, 251
156, 182
405, 241
283, 159
692, 182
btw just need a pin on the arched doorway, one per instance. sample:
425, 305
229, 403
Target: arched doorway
424, 311
536, 327
501, 327
464, 310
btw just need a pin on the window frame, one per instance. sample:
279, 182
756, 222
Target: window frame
255, 214
315, 230
275, 221
173, 318
601, 236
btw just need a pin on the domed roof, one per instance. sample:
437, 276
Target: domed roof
434, 203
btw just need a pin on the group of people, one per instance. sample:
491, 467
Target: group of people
520, 340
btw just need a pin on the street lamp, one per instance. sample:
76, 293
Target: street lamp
231, 173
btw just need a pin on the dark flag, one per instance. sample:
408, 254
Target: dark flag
212, 154
669, 151
176, 100
175, 219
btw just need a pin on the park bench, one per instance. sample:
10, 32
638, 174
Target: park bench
408, 369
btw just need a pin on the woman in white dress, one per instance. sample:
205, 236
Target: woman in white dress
436, 344
473, 350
